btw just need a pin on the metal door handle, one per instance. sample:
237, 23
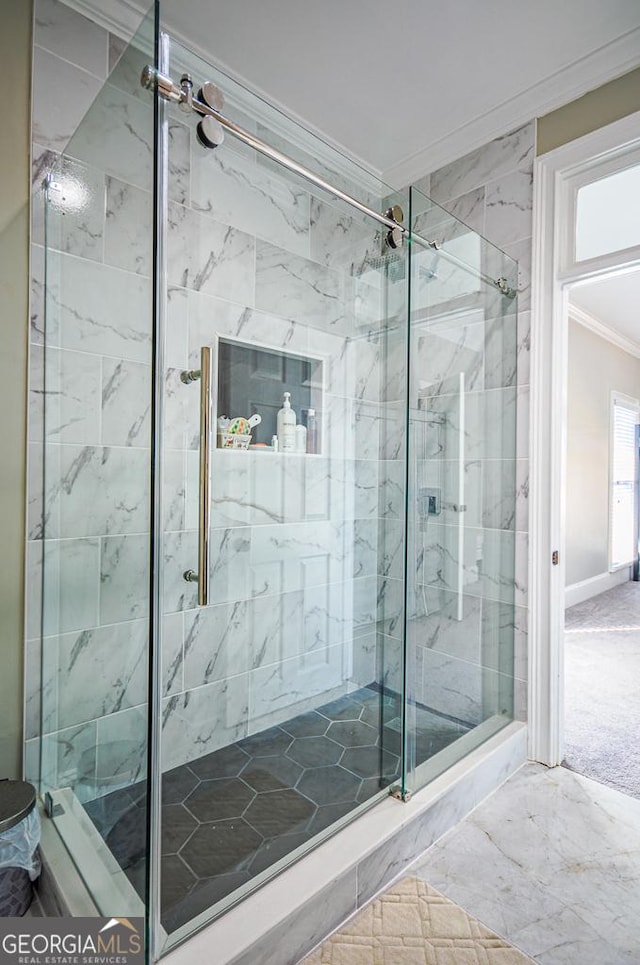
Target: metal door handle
204, 483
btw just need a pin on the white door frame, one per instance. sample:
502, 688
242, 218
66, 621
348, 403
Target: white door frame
556, 175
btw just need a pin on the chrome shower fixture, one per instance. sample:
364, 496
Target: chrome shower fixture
395, 236
209, 131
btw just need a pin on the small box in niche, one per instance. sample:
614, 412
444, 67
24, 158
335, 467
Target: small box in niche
253, 379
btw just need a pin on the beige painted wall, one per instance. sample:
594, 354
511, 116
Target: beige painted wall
596, 368
15, 57
602, 106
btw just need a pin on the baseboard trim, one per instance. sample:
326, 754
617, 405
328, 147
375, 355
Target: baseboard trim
585, 589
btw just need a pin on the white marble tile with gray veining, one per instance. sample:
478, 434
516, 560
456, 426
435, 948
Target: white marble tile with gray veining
522, 495
202, 720
172, 653
38, 326
117, 47
509, 207
501, 350
100, 309
208, 256
391, 488
345, 240
365, 603
35, 496
366, 547
297, 288
101, 671
95, 491
571, 878
177, 329
128, 231
390, 606
390, 548
486, 568
62, 753
445, 622
71, 407
71, 36
117, 137
175, 491
512, 152
365, 665
56, 117
74, 210
181, 412
499, 494
121, 751
281, 686
524, 348
71, 584
445, 353
179, 161
126, 403
489, 424
217, 642
124, 578
235, 190
180, 553
440, 224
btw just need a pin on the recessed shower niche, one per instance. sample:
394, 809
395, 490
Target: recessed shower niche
252, 380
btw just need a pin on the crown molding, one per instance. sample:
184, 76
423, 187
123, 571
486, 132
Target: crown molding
120, 17
604, 331
608, 62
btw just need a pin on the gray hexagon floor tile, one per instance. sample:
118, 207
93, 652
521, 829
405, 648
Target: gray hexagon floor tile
220, 847
315, 751
231, 814
279, 812
329, 785
213, 800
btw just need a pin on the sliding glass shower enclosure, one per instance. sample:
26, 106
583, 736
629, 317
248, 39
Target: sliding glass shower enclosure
243, 634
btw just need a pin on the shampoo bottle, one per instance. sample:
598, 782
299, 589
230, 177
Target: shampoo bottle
286, 426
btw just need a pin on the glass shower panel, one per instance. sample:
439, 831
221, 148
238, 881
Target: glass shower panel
282, 702
96, 379
462, 593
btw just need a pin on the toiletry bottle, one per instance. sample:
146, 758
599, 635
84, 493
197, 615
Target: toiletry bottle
312, 431
301, 439
274, 443
286, 426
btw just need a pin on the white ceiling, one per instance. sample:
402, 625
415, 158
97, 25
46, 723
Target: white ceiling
613, 302
406, 85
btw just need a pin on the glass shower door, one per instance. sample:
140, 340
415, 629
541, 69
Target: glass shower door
462, 596
282, 700
91, 551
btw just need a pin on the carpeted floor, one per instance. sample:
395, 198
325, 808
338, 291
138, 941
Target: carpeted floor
602, 688
412, 924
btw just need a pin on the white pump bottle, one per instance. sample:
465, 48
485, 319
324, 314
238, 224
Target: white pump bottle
286, 426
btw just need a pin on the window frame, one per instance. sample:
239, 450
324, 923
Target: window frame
620, 400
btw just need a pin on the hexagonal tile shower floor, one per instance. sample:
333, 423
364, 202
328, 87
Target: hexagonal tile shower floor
231, 814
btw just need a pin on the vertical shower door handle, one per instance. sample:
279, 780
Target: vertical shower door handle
204, 475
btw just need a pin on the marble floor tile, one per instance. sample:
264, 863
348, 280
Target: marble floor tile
552, 862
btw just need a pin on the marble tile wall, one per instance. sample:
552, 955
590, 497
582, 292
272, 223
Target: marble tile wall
465, 652
295, 540
89, 436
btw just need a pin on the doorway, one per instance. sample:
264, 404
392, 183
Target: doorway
602, 602
573, 189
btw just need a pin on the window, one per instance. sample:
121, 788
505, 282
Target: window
608, 214
622, 534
